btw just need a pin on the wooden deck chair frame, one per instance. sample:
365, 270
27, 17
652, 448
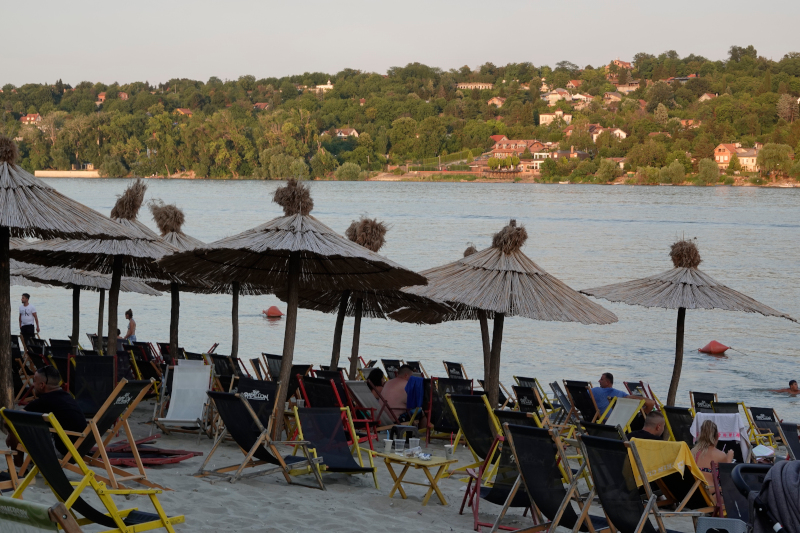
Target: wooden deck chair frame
89, 481
546, 404
421, 368
784, 438
509, 396
354, 447
608, 413
756, 435
13, 480
27, 381
571, 415
258, 369
575, 411
36, 515
573, 491
447, 370
692, 402
646, 390
248, 461
383, 406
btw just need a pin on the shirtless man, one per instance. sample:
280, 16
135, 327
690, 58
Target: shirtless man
793, 388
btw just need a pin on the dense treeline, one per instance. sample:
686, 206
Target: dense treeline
411, 113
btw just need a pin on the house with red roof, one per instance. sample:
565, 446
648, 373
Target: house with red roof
574, 84
184, 111
261, 106
497, 101
706, 97
748, 157
31, 118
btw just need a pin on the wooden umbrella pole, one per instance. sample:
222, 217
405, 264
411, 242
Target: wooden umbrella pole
491, 382
288, 341
676, 370
235, 320
113, 303
76, 315
6, 386
487, 349
100, 316
337, 332
174, 315
356, 338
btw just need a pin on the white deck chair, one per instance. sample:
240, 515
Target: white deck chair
366, 399
623, 411
190, 381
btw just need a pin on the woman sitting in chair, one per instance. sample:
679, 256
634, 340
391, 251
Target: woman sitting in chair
705, 451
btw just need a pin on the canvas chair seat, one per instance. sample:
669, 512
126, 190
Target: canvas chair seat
92, 378
381, 412
582, 399
679, 421
788, 433
190, 381
622, 412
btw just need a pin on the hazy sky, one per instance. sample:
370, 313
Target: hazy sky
157, 40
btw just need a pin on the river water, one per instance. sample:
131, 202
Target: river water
586, 235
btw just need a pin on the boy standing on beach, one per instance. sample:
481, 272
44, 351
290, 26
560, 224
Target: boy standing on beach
27, 318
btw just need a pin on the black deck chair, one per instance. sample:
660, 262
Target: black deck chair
454, 370
223, 366
392, 366
517, 418
273, 362
416, 368
679, 488
33, 431
441, 418
734, 503
788, 432
680, 421
145, 362
258, 369
193, 356
526, 399
538, 458
328, 368
62, 364
725, 407
580, 394
322, 428
502, 399
37, 357
336, 377
125, 367
476, 424
612, 473
247, 416
765, 423
95, 378
297, 370
703, 402
61, 348
318, 392
602, 430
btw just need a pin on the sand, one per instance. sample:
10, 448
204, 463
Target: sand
269, 504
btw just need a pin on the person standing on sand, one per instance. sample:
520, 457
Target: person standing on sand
27, 318
130, 336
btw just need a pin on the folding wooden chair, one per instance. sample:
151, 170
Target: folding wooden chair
763, 423
92, 379
244, 415
33, 432
391, 366
455, 370
503, 396
642, 388
476, 424
441, 421
187, 404
702, 402
12, 481
319, 392
726, 407
548, 407
621, 412
582, 399
417, 368
258, 369
679, 423
788, 433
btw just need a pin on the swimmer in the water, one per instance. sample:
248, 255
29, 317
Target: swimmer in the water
793, 388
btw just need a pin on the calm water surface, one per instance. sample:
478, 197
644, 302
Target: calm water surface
585, 235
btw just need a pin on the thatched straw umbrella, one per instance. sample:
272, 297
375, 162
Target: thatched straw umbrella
30, 208
370, 234
682, 287
295, 251
133, 257
502, 281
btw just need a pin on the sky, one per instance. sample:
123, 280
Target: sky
155, 41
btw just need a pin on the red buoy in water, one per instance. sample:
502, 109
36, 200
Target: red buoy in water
714, 348
273, 312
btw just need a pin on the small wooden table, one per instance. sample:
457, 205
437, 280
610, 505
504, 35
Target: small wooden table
407, 462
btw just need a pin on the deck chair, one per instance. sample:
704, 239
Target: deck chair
621, 412
322, 428
612, 472
61, 347
187, 402
788, 433
527, 402
702, 402
725, 407
18, 515
320, 392
391, 366
33, 431
441, 419
604, 431
538, 457
686, 492
95, 376
582, 400
679, 422
258, 369
378, 408
476, 423
504, 397
549, 408
642, 388
336, 377
245, 415
417, 368
763, 425
733, 504
455, 370
517, 418
273, 362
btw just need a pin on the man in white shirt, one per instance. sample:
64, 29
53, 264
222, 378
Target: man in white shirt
27, 318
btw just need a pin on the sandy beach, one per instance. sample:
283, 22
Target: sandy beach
268, 504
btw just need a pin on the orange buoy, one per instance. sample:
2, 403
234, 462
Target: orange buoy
273, 312
713, 348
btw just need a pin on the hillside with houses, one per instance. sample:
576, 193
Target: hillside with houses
653, 119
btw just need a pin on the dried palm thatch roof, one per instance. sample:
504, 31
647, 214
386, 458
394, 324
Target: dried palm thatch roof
170, 218
82, 279
502, 279
140, 250
31, 208
260, 256
682, 286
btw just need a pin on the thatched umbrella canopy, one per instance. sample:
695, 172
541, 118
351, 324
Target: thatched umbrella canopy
503, 281
30, 208
134, 257
682, 287
295, 251
170, 219
371, 234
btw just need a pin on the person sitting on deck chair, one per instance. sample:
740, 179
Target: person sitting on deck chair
653, 427
395, 392
375, 377
705, 451
51, 398
606, 391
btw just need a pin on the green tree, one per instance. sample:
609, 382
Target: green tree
112, 167
673, 173
298, 169
322, 163
493, 163
659, 93
708, 172
661, 114
280, 166
774, 157
787, 108
607, 171
734, 165
347, 172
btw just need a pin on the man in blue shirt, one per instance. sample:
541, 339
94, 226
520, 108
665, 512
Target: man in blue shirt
606, 391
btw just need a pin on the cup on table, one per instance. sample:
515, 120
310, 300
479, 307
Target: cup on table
286, 407
449, 451
387, 445
301, 403
413, 443
399, 444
